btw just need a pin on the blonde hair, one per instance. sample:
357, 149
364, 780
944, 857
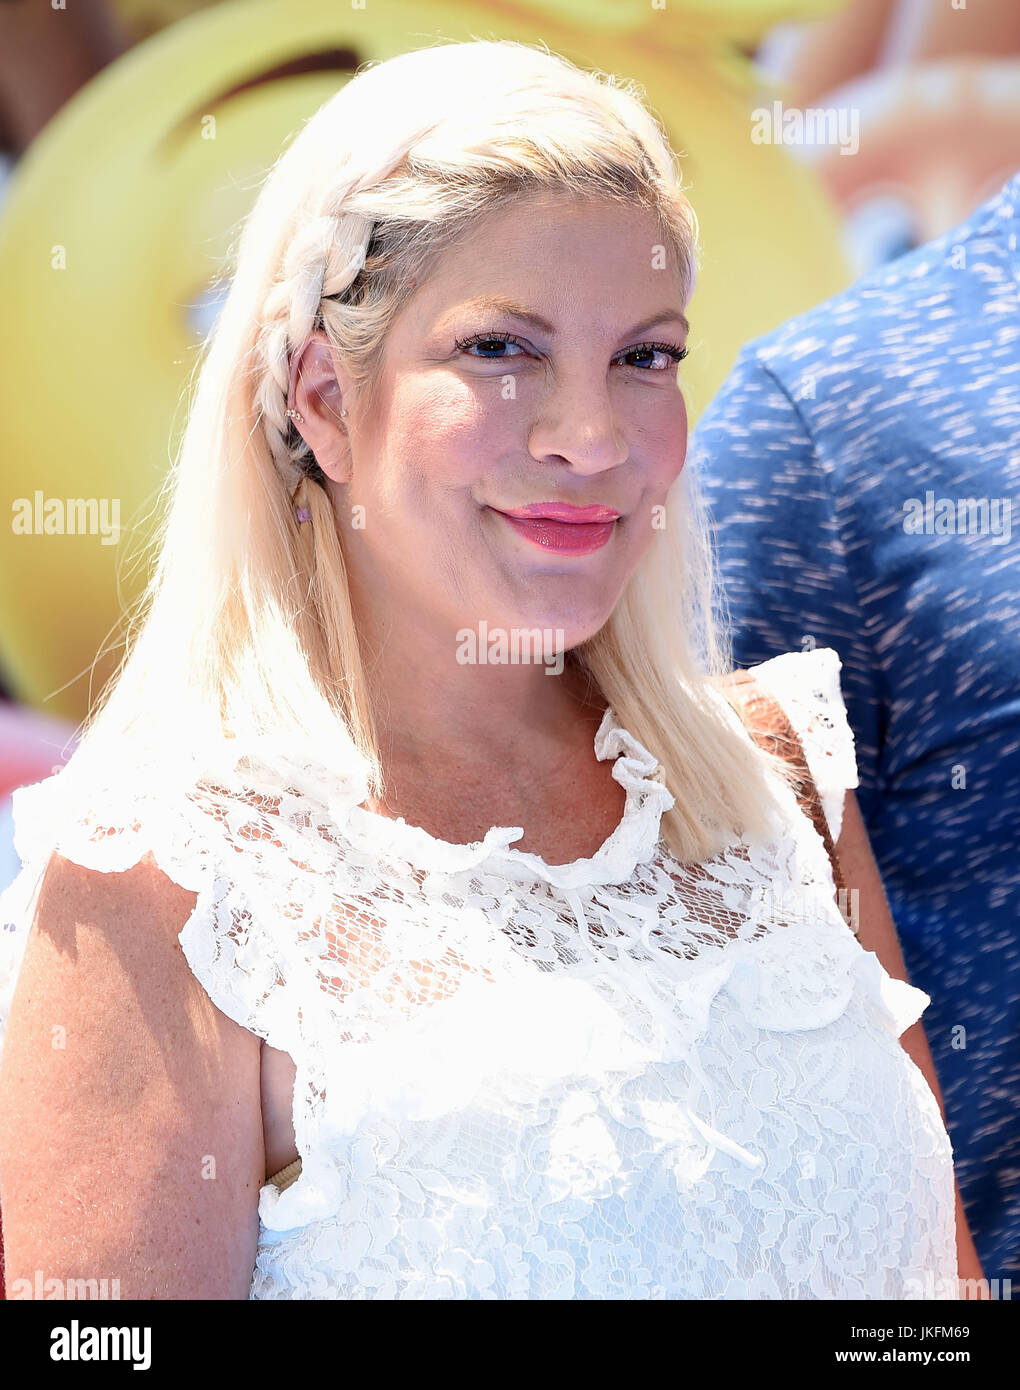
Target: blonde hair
248, 627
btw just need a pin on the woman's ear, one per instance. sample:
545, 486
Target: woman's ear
316, 394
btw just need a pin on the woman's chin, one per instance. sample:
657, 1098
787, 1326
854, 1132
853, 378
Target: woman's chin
565, 612
562, 631
549, 629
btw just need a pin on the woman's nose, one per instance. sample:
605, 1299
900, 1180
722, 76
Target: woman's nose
577, 426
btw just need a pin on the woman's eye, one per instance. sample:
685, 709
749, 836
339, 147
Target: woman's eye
487, 341
669, 351
491, 347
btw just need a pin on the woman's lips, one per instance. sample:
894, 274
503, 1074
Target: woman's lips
562, 511
559, 527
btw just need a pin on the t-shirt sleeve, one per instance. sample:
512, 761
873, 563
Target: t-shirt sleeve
807, 686
778, 515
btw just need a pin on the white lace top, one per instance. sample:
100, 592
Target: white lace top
615, 1078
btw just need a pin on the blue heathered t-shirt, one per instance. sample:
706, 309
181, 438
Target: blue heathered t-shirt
835, 460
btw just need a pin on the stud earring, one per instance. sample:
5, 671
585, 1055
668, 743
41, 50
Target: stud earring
296, 414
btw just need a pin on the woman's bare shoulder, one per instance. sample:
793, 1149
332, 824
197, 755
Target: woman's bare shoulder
69, 889
130, 1120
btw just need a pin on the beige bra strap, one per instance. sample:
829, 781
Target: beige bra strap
286, 1176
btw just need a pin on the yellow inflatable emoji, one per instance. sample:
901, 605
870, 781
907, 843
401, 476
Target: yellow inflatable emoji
937, 105
119, 218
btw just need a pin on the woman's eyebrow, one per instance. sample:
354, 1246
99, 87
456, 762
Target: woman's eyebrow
499, 304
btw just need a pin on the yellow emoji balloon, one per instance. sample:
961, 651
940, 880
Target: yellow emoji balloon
121, 214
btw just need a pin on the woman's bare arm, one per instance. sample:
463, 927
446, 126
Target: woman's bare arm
131, 1142
878, 933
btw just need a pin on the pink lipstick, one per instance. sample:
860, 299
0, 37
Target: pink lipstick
563, 528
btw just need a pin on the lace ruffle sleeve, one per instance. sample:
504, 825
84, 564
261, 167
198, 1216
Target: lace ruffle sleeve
226, 940
807, 686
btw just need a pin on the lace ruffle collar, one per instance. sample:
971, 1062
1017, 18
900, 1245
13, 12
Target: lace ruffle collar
633, 840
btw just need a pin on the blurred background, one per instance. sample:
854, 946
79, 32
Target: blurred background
818, 139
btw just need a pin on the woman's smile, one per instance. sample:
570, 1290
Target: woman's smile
560, 527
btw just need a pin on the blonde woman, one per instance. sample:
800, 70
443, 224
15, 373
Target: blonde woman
363, 951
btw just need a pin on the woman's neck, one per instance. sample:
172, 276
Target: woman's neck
431, 714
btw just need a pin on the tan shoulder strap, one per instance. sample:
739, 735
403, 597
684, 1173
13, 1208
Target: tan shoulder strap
767, 723
286, 1176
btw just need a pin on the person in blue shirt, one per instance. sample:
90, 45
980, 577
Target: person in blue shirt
860, 464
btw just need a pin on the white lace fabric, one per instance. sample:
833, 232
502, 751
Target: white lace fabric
617, 1078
